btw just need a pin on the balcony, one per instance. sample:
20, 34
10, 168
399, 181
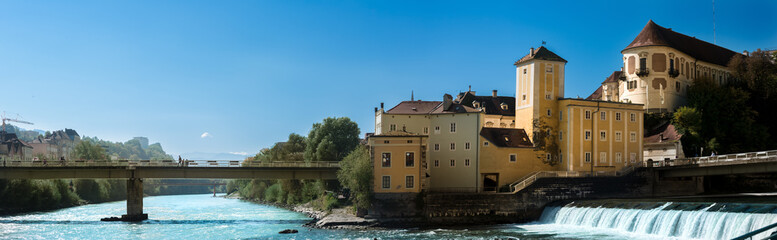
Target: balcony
642, 72
673, 73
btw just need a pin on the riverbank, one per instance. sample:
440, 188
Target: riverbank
337, 218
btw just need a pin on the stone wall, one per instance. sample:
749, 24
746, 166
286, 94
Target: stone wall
525, 206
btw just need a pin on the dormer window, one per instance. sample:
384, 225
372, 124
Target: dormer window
475, 104
504, 106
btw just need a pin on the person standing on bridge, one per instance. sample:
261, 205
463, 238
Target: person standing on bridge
180, 161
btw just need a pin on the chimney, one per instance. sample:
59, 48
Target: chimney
447, 100
493, 93
531, 53
746, 53
381, 106
376, 109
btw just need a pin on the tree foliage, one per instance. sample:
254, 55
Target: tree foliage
129, 150
719, 118
757, 75
86, 150
544, 142
332, 139
356, 174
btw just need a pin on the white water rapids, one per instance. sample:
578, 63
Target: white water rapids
663, 221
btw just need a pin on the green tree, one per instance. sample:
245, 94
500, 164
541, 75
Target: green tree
725, 116
86, 150
757, 75
356, 174
332, 139
544, 139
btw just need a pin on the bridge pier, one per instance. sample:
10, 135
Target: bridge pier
134, 201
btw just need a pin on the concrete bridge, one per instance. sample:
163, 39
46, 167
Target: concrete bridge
136, 171
738, 163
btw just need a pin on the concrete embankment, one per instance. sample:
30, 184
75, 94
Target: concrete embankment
439, 209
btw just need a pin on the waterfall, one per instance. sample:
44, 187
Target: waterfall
680, 220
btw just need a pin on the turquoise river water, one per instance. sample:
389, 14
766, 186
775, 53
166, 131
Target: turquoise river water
206, 217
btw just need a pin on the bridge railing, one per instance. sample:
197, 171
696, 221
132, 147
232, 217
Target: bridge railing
728, 159
524, 182
162, 163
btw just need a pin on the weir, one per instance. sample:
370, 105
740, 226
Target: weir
667, 219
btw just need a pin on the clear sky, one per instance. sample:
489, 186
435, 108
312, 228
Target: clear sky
250, 72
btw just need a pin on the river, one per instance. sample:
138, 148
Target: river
206, 217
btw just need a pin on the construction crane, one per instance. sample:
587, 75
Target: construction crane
13, 120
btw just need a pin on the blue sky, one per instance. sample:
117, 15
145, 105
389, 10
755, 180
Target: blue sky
250, 72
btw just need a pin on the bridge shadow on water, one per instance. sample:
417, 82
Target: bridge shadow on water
160, 222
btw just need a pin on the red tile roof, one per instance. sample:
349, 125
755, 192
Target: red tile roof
414, 107
596, 95
654, 35
662, 133
541, 53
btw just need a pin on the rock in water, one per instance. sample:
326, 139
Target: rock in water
288, 231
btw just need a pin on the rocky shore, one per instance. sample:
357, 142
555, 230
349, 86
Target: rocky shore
338, 218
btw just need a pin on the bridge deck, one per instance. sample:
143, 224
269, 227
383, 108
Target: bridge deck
148, 169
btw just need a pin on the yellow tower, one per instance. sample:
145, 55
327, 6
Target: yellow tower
539, 84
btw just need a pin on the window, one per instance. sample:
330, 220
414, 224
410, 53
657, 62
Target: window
587, 157
409, 159
548, 112
618, 136
453, 146
453, 162
549, 68
409, 141
466, 162
524, 97
386, 160
671, 65
548, 96
633, 157
642, 63
560, 116
524, 71
436, 163
513, 158
633, 137
436, 129
602, 135
603, 115
587, 135
386, 182
618, 157
617, 116
560, 158
633, 117
426, 130
386, 141
547, 157
485, 143
453, 127
392, 127
587, 114
436, 147
560, 135
466, 146
409, 181
602, 157
677, 86
631, 84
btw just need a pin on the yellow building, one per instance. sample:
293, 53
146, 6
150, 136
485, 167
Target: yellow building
599, 136
507, 155
589, 135
398, 162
